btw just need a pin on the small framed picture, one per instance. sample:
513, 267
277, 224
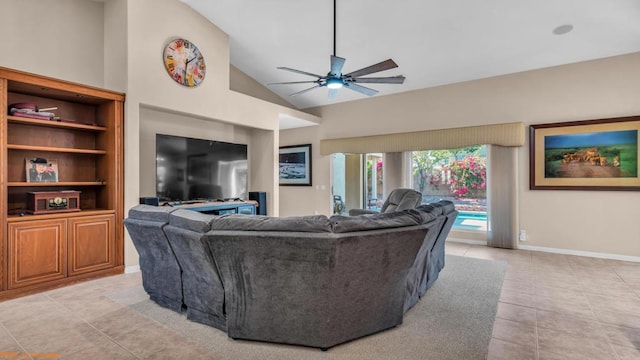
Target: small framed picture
295, 165
41, 170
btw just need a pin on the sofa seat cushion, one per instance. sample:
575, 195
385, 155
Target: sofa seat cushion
151, 213
191, 220
345, 224
308, 224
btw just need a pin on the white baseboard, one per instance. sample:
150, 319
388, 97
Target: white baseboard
580, 253
556, 250
131, 269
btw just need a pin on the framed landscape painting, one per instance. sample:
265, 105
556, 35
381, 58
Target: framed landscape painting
585, 155
295, 165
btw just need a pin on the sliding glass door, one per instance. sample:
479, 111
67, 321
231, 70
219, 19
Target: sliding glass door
373, 181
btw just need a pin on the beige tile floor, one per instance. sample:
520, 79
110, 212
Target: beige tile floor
552, 307
557, 306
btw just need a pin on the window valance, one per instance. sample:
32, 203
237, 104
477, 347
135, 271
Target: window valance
509, 134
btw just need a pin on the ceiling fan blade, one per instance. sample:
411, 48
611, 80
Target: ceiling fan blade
305, 90
336, 65
294, 82
380, 80
361, 89
299, 71
333, 93
381, 66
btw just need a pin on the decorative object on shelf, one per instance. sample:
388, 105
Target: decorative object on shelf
585, 155
30, 110
41, 170
295, 165
45, 202
184, 62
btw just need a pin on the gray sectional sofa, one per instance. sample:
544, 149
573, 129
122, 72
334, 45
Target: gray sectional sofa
312, 281
161, 272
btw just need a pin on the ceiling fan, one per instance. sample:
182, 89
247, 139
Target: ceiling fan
335, 79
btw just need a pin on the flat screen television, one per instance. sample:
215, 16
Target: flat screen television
198, 169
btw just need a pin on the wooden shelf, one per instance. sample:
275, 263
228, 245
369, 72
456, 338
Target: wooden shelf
59, 183
55, 124
56, 149
28, 217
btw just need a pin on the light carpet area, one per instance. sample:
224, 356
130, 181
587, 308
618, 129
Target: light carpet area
454, 320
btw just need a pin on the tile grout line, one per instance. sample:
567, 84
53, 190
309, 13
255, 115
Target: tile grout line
537, 353
16, 340
596, 320
535, 314
91, 325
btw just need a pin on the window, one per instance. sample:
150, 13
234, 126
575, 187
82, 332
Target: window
458, 175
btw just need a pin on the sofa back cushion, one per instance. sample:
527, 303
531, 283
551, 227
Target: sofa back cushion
311, 224
447, 206
344, 224
401, 199
191, 220
428, 213
151, 213
429, 208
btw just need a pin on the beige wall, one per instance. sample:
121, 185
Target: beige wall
583, 221
61, 39
244, 84
307, 200
115, 49
263, 159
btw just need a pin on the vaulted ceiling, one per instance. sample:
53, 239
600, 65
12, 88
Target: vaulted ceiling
434, 42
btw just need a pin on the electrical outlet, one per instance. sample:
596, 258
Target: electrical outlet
523, 235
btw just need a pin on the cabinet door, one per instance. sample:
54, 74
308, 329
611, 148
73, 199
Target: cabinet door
91, 243
37, 252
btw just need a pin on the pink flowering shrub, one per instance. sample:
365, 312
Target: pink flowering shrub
435, 179
468, 177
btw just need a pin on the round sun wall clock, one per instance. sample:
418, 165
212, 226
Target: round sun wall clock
184, 62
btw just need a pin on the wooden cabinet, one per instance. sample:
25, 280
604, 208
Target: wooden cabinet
91, 244
85, 140
37, 252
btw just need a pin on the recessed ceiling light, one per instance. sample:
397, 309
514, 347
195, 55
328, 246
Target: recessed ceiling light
563, 29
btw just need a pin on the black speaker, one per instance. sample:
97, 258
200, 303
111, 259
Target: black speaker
150, 200
261, 198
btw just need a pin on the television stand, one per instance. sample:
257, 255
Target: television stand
217, 207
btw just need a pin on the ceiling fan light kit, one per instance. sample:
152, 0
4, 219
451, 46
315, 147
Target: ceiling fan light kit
334, 83
335, 79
